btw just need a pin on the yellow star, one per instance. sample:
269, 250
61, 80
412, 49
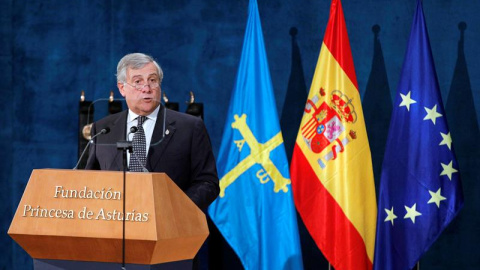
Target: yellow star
436, 197
412, 213
432, 114
390, 215
406, 100
448, 170
447, 140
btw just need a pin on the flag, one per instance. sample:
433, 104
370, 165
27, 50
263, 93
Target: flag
420, 189
331, 170
255, 210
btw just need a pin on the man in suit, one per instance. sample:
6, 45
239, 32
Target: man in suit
165, 140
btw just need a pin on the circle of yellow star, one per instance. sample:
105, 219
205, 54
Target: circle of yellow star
448, 170
412, 213
447, 140
436, 197
390, 215
406, 100
432, 114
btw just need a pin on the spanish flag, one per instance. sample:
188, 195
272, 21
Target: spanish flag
331, 170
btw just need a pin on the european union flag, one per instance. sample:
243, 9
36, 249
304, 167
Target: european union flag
420, 188
255, 211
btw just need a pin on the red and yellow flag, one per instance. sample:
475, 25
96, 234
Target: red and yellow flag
331, 171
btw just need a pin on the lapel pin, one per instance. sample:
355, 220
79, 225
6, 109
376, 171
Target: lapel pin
167, 132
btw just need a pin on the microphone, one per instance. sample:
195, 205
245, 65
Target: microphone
103, 131
133, 130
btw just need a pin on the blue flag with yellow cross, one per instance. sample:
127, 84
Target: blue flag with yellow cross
255, 210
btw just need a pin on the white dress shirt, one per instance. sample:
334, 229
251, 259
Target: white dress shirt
148, 127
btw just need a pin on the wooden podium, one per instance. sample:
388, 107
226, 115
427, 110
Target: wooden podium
73, 215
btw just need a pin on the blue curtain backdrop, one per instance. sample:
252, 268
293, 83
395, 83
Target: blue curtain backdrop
51, 50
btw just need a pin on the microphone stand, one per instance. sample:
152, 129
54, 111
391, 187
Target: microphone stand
124, 146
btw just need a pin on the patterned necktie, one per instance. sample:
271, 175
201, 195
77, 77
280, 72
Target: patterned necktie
138, 159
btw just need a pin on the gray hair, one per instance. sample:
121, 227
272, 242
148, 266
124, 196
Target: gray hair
135, 61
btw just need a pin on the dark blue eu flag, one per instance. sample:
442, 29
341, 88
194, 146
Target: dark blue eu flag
420, 188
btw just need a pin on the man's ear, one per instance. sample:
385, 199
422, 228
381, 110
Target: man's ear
121, 89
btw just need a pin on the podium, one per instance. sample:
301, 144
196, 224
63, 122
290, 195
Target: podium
71, 218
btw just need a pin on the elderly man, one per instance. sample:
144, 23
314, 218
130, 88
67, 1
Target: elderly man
164, 141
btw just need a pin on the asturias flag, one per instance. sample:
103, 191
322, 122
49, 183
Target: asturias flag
420, 189
331, 169
255, 211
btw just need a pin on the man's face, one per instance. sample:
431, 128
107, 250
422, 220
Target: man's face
145, 100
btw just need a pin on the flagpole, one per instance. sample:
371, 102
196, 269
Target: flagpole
329, 266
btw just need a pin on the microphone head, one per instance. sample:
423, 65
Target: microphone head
105, 130
133, 129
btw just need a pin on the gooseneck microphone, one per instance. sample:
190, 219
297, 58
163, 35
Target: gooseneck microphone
125, 146
132, 130
103, 131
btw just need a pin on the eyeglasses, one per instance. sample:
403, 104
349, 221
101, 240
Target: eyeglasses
139, 85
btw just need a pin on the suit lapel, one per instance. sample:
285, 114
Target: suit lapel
118, 131
159, 141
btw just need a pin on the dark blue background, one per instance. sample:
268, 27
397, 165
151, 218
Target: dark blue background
51, 50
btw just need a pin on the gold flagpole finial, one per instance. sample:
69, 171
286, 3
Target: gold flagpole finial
192, 98
165, 98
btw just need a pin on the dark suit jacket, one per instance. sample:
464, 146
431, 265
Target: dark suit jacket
185, 154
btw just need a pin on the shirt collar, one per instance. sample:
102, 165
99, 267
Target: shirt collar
133, 116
